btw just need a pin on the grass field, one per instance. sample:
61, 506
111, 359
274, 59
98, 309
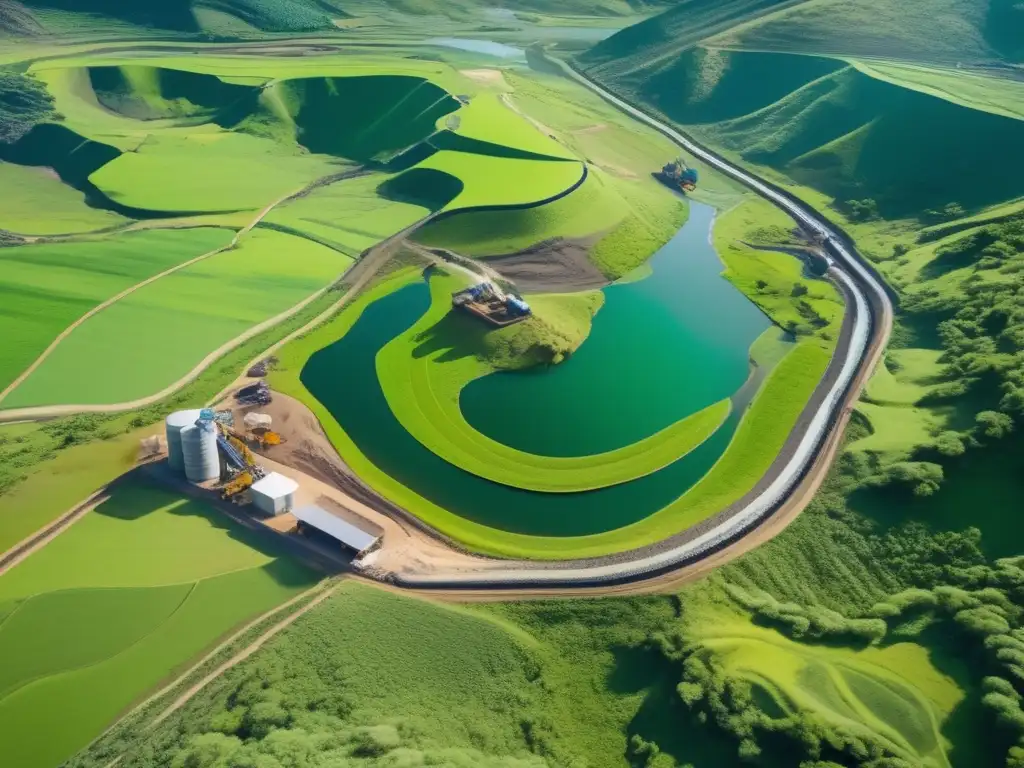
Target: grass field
349, 215
237, 171
423, 391
489, 117
49, 286
592, 208
45, 206
156, 335
143, 583
499, 181
768, 277
892, 692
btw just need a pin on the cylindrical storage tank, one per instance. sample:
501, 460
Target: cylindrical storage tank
176, 422
199, 452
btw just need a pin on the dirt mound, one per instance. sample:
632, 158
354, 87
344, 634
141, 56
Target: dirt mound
554, 266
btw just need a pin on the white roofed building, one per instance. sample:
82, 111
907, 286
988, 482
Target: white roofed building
274, 494
349, 534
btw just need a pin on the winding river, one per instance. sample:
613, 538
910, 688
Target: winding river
684, 309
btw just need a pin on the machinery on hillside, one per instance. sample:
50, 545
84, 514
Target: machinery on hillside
677, 175
254, 394
488, 302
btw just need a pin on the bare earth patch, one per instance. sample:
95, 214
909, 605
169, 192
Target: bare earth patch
485, 76
558, 265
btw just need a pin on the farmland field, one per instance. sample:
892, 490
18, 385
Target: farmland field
49, 286
159, 333
143, 583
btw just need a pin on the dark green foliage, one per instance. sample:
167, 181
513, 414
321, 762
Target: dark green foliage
269, 15
24, 103
862, 210
365, 118
183, 94
814, 621
72, 156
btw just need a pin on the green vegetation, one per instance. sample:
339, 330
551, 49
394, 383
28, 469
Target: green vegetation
156, 335
24, 103
138, 609
250, 172
46, 206
49, 286
423, 371
502, 182
587, 210
489, 117
48, 468
348, 216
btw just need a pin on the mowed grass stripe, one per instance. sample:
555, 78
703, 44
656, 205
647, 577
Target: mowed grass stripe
159, 333
45, 288
84, 701
102, 622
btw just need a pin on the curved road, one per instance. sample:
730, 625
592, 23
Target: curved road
870, 316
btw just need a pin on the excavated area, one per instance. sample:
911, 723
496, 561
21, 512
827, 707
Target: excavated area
558, 265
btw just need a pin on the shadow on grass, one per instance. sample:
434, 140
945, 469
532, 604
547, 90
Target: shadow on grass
137, 494
982, 490
662, 717
456, 335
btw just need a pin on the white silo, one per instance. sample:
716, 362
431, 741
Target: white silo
199, 451
176, 422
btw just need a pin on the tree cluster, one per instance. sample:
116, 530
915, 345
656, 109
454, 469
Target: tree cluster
726, 701
814, 622
24, 103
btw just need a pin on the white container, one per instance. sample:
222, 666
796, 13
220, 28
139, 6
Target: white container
274, 494
176, 422
199, 451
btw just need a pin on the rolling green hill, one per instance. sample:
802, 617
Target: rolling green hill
780, 85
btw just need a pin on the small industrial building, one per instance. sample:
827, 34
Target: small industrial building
491, 304
350, 535
274, 494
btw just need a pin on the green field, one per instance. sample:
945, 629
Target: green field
49, 286
156, 335
349, 215
143, 583
592, 208
45, 206
423, 392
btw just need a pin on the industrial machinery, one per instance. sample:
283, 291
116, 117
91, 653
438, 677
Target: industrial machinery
254, 394
488, 302
677, 175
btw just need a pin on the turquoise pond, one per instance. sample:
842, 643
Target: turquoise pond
661, 348
685, 345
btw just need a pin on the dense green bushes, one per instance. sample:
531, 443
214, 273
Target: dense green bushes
24, 103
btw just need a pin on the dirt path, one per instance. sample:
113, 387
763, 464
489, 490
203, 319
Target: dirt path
49, 532
132, 289
36, 413
242, 655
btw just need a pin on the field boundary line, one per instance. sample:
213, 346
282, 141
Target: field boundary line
133, 288
42, 411
244, 653
52, 530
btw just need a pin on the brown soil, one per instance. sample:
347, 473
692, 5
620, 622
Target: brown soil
485, 76
557, 265
308, 457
